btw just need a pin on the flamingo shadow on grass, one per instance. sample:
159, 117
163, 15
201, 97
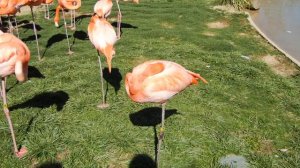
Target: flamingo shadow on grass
28, 25
79, 19
45, 100
81, 35
142, 161
33, 72
50, 165
124, 25
151, 117
54, 39
114, 78
31, 38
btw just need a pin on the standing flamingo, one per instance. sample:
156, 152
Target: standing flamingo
103, 9
157, 81
8, 7
70, 5
46, 4
14, 58
103, 37
31, 4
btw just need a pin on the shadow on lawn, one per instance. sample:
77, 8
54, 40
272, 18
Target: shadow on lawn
28, 25
33, 72
45, 100
50, 165
31, 38
142, 161
114, 78
151, 117
124, 25
55, 39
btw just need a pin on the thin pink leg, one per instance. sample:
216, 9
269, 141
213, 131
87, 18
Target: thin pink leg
23, 151
119, 20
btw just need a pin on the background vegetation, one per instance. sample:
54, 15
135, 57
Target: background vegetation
245, 111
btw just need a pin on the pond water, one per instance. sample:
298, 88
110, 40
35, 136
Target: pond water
279, 20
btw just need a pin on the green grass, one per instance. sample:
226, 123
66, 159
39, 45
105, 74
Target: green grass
246, 109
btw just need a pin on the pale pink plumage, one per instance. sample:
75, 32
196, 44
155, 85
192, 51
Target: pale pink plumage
103, 8
157, 81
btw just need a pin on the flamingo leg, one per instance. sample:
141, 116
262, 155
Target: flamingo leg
103, 104
161, 133
45, 15
74, 17
48, 12
23, 150
119, 20
10, 27
35, 33
16, 23
70, 52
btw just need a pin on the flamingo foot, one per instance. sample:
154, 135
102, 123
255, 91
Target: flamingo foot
103, 105
22, 152
56, 24
70, 52
73, 28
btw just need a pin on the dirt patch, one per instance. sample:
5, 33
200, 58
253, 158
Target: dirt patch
266, 147
280, 66
167, 25
226, 9
218, 25
62, 155
209, 34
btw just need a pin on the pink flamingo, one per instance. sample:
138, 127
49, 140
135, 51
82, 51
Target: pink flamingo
8, 7
14, 58
70, 5
103, 9
46, 3
157, 81
103, 37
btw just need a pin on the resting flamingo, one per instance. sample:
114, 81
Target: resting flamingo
14, 58
103, 37
157, 81
70, 5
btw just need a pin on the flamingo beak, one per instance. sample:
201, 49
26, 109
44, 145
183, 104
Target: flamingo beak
109, 64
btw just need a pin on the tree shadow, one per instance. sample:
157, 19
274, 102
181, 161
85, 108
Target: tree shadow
54, 39
33, 72
50, 164
31, 38
150, 116
142, 161
45, 100
114, 78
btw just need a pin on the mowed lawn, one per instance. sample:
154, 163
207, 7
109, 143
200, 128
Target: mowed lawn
248, 110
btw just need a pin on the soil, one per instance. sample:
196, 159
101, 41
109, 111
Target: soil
280, 66
218, 25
